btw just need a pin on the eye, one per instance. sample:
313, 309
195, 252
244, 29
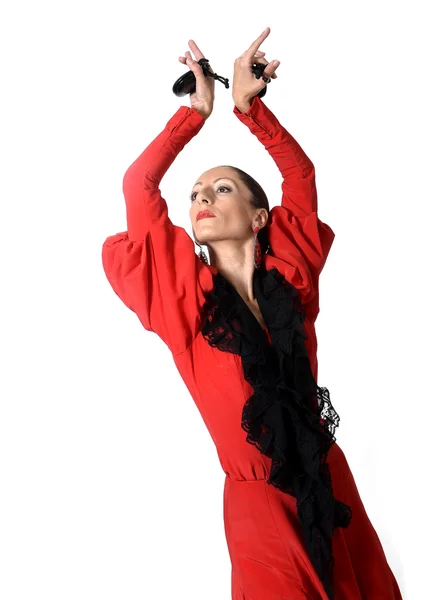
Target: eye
193, 194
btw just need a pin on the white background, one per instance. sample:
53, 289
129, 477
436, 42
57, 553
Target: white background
111, 486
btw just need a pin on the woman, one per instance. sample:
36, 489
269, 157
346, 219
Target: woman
241, 332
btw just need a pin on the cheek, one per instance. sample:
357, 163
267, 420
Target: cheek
237, 214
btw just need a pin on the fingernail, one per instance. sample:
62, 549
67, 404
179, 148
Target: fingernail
276, 62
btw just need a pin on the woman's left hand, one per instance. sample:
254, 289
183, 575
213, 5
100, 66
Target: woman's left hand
204, 95
245, 85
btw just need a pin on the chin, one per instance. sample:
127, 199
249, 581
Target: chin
202, 240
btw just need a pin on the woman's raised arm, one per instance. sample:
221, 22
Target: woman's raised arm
152, 266
299, 240
296, 234
299, 192
144, 203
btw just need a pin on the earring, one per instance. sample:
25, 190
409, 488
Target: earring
257, 255
202, 255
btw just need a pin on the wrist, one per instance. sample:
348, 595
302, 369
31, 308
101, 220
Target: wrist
243, 104
204, 114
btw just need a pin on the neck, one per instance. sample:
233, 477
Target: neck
235, 263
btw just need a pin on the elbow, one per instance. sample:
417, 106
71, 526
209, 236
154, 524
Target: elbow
133, 183
130, 182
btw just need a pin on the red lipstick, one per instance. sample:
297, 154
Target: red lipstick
203, 214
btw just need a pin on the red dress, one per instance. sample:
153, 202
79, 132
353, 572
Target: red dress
154, 269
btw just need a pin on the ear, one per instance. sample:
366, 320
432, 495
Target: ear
262, 218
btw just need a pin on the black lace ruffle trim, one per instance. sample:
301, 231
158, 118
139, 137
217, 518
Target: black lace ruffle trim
289, 418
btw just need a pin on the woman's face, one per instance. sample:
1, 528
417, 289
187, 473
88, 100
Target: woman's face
220, 191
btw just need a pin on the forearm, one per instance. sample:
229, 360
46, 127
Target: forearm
145, 205
284, 149
296, 168
148, 169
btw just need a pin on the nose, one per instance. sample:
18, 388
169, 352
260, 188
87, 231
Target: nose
205, 200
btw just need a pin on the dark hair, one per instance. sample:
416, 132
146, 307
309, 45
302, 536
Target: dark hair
258, 199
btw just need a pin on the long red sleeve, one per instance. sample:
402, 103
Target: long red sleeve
298, 188
297, 236
144, 203
152, 266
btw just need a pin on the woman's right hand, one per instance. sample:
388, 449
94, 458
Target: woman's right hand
245, 84
204, 95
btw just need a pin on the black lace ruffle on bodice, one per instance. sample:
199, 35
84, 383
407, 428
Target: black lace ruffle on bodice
289, 418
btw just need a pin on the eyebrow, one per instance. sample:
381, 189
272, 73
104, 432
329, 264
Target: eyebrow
199, 182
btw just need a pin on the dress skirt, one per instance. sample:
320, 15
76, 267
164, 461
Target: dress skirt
269, 560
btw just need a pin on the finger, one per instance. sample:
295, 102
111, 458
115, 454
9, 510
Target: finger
264, 61
196, 51
197, 70
258, 41
269, 71
183, 59
188, 56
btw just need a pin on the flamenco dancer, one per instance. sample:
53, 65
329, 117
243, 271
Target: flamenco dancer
240, 327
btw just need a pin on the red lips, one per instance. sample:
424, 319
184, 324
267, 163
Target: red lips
204, 214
